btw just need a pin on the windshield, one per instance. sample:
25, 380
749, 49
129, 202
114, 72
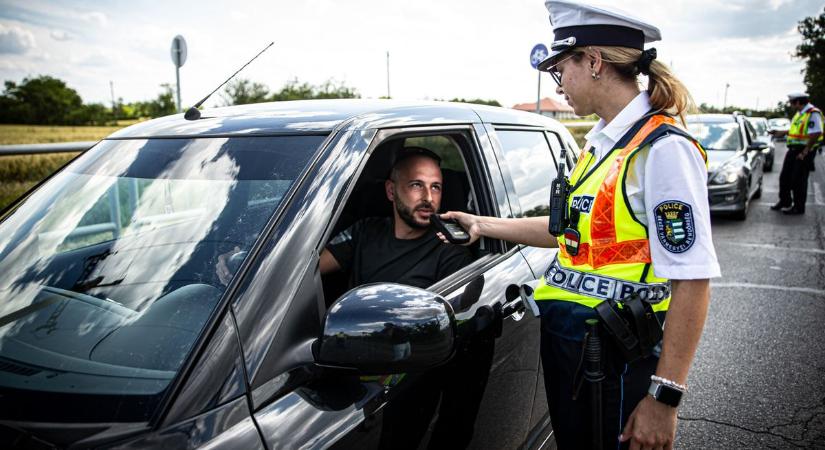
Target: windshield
722, 136
109, 271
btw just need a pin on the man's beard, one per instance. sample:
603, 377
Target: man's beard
406, 214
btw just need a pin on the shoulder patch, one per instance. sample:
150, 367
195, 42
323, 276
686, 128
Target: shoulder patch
675, 225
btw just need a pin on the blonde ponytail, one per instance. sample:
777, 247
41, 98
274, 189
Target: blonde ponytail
667, 93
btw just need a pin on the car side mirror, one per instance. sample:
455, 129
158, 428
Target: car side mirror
387, 328
758, 146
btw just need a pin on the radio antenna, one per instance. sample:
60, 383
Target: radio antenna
194, 114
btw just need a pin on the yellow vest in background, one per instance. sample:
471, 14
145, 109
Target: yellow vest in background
612, 257
798, 133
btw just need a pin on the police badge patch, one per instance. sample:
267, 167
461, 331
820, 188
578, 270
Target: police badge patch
674, 226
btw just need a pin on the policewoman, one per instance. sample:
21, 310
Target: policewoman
639, 227
804, 137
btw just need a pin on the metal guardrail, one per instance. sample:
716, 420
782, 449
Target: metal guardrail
34, 149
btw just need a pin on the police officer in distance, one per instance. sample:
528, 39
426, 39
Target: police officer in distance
804, 136
639, 224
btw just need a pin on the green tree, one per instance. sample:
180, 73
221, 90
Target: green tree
41, 100
812, 50
243, 92
162, 105
295, 90
477, 101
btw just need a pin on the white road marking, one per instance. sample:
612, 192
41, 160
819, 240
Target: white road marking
819, 199
771, 287
773, 247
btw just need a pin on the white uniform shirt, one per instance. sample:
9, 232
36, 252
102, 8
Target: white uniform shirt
671, 170
816, 120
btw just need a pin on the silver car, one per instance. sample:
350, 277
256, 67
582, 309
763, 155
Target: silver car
735, 161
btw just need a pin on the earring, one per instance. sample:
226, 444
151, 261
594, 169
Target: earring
595, 76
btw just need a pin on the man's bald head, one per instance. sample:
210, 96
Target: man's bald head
415, 186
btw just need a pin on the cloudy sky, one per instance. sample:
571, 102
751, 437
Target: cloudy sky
438, 49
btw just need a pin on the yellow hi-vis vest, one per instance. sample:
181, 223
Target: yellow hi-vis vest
613, 259
798, 133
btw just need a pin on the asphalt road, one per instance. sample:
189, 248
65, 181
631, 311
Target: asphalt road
758, 380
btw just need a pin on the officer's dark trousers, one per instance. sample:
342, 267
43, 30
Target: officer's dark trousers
793, 179
622, 389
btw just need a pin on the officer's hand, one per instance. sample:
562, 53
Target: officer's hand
801, 156
467, 221
651, 426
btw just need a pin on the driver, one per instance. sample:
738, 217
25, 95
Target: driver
403, 248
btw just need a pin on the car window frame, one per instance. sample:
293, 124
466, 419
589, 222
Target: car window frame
479, 173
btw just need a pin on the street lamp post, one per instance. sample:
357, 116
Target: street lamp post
725, 103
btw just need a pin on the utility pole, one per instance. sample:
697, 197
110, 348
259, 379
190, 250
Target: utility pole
538, 96
725, 103
388, 74
114, 105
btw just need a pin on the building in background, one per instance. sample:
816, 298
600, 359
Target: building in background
550, 108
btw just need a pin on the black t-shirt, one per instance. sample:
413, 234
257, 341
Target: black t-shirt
371, 253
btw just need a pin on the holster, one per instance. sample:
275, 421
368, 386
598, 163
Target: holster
634, 327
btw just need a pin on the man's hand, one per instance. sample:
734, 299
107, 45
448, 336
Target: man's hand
651, 426
222, 269
802, 155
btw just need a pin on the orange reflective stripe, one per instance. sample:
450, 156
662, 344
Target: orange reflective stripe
625, 252
603, 220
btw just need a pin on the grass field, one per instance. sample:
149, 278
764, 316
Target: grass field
19, 173
44, 134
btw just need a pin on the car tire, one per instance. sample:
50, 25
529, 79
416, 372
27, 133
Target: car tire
758, 193
769, 165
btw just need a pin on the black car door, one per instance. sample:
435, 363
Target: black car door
529, 162
491, 385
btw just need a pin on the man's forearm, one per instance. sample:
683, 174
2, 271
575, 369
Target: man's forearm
683, 329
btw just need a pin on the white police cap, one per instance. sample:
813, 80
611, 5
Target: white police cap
579, 25
796, 95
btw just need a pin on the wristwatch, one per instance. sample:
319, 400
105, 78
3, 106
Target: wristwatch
668, 393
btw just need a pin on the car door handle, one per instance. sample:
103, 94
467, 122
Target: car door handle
514, 303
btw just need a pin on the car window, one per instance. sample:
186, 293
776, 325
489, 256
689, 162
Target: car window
532, 168
760, 126
368, 212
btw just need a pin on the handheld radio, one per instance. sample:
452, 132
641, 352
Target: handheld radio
559, 190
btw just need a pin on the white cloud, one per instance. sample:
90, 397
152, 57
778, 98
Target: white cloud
460, 48
60, 35
94, 17
15, 39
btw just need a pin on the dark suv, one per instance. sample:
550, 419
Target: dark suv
735, 161
116, 330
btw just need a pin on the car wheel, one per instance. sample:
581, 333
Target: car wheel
758, 193
769, 165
